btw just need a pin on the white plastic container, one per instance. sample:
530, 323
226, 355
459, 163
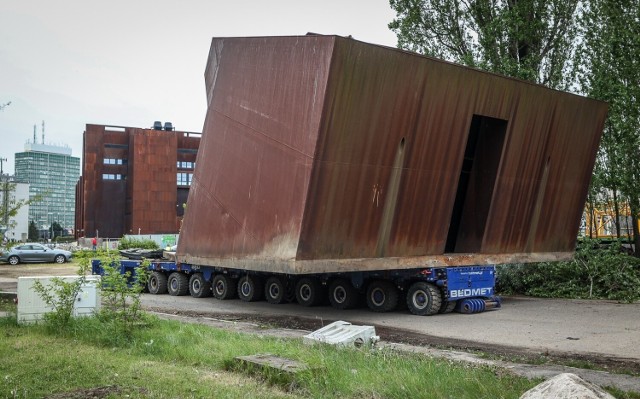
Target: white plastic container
31, 308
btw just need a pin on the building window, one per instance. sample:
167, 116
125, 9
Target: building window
114, 161
184, 179
122, 146
112, 176
186, 165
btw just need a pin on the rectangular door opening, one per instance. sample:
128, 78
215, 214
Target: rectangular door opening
475, 185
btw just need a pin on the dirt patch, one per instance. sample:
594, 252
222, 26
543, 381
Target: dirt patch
97, 393
9, 273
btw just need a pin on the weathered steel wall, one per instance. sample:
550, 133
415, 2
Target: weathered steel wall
325, 148
152, 196
103, 202
257, 148
146, 199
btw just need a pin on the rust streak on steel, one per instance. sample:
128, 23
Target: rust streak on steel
322, 153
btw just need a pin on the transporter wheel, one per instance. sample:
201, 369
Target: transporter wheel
424, 299
382, 296
157, 283
178, 284
447, 306
249, 288
275, 290
343, 295
309, 291
198, 286
224, 287
14, 260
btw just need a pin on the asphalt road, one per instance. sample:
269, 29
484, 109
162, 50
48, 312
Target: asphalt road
584, 327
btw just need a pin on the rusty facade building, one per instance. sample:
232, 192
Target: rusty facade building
134, 180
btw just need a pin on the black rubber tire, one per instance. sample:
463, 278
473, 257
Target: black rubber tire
178, 284
424, 299
382, 296
309, 291
13, 260
250, 288
275, 290
198, 286
224, 287
447, 307
343, 295
157, 283
60, 259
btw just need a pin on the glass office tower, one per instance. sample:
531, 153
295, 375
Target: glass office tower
52, 174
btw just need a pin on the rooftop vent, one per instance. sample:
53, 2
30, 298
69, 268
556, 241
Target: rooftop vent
157, 125
168, 126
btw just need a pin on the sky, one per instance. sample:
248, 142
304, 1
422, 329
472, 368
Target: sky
132, 62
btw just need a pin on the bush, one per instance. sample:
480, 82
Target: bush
121, 311
595, 272
61, 295
127, 243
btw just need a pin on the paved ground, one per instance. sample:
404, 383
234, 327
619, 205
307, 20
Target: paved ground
590, 328
602, 332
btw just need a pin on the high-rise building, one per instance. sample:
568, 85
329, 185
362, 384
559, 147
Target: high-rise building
52, 174
134, 180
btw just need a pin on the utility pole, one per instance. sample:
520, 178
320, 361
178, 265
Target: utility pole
5, 197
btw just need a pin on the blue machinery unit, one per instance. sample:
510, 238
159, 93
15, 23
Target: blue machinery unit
426, 291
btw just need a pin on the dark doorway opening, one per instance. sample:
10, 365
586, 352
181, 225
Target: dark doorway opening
475, 185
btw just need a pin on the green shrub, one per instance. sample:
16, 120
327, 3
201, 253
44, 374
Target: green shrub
595, 272
121, 311
61, 295
127, 243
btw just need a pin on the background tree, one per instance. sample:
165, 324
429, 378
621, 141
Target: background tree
33, 231
56, 229
527, 39
609, 69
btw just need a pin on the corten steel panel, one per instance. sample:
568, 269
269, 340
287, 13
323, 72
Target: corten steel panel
101, 202
152, 168
252, 180
322, 153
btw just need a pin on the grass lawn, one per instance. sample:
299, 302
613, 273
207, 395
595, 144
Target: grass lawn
167, 359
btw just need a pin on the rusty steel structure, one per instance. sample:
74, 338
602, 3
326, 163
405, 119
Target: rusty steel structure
129, 182
325, 154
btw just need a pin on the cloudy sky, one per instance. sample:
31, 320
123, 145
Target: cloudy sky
131, 62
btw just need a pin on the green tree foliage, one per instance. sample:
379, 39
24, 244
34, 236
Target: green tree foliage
56, 229
526, 39
594, 273
609, 69
33, 231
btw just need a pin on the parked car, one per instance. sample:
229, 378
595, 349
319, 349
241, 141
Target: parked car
33, 252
